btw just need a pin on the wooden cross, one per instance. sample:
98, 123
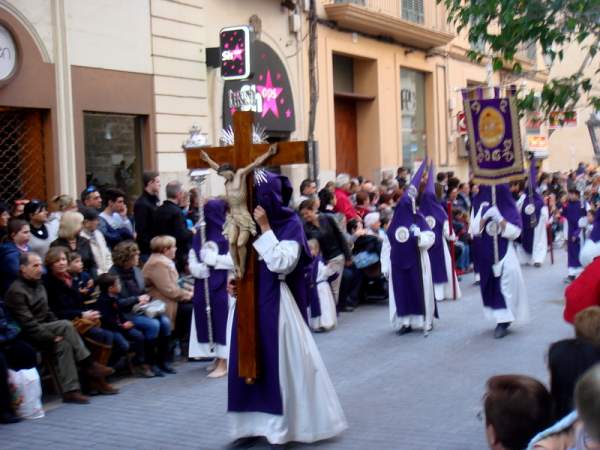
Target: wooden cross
240, 154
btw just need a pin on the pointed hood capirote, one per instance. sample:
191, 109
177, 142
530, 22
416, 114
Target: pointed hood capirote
429, 204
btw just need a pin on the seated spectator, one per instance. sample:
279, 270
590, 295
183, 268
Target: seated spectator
373, 225
567, 361
343, 192
516, 407
60, 205
42, 232
69, 237
27, 301
363, 204
16, 243
91, 198
308, 189
15, 354
126, 336
100, 250
4, 217
114, 223
583, 292
587, 325
82, 280
161, 278
169, 221
66, 303
587, 400
17, 208
126, 257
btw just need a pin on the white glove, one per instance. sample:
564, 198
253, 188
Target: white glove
415, 230
199, 271
209, 253
582, 222
453, 238
493, 213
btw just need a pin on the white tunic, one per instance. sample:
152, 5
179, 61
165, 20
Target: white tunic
328, 318
200, 271
589, 251
426, 240
540, 241
311, 408
512, 284
445, 290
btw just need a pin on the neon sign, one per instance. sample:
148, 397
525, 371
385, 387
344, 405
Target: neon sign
235, 53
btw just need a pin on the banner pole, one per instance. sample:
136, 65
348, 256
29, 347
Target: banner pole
496, 252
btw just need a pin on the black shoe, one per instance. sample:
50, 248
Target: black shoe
404, 330
501, 330
8, 418
166, 368
157, 372
347, 308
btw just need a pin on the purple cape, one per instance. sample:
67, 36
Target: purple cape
214, 214
483, 246
574, 212
407, 276
595, 234
430, 207
530, 221
273, 193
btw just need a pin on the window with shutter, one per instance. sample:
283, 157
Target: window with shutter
413, 10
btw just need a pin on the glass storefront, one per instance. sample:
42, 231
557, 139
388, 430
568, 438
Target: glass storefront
113, 152
412, 102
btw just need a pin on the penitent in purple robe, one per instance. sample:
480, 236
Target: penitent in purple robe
436, 216
574, 212
483, 244
214, 215
531, 211
273, 194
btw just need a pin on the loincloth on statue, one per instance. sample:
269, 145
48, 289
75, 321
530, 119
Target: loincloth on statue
242, 221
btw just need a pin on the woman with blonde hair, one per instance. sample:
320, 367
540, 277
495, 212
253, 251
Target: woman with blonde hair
69, 236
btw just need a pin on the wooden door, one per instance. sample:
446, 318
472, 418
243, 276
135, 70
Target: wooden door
346, 147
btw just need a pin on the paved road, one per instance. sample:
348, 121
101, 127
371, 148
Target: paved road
399, 393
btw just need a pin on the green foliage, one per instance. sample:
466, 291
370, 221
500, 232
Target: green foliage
507, 26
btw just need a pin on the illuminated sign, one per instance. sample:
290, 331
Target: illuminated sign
235, 53
8, 54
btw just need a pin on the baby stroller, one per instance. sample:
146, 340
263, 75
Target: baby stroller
366, 258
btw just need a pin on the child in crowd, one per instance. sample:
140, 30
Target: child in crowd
81, 279
126, 336
322, 275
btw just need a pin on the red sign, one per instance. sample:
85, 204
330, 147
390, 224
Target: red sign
461, 123
235, 53
562, 119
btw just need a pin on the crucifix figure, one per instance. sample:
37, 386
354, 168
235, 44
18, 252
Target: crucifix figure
239, 225
245, 155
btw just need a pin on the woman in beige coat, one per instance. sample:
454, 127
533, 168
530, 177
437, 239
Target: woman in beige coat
160, 276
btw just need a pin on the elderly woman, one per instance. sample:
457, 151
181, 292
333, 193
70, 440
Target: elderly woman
162, 279
126, 258
69, 236
42, 232
16, 242
66, 302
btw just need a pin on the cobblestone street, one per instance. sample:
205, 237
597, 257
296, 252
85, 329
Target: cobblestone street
399, 393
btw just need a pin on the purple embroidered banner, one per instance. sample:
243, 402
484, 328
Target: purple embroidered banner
495, 151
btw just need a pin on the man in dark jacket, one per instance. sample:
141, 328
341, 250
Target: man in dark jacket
144, 209
28, 303
169, 220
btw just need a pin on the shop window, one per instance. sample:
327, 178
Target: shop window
113, 152
412, 103
413, 11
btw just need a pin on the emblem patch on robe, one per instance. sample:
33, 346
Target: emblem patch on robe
430, 221
492, 228
402, 234
530, 209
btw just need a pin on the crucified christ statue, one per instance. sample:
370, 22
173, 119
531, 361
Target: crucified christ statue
239, 225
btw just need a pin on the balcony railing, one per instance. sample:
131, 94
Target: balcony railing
426, 13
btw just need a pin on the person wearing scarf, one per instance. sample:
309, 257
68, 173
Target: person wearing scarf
293, 398
502, 286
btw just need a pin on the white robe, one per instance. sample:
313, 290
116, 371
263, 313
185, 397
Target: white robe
200, 271
426, 240
512, 284
311, 408
540, 241
589, 251
445, 290
328, 318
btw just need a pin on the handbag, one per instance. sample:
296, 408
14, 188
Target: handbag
151, 309
84, 325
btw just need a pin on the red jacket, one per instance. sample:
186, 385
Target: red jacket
583, 292
344, 205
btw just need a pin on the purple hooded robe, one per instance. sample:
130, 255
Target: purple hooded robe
530, 221
273, 193
574, 211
